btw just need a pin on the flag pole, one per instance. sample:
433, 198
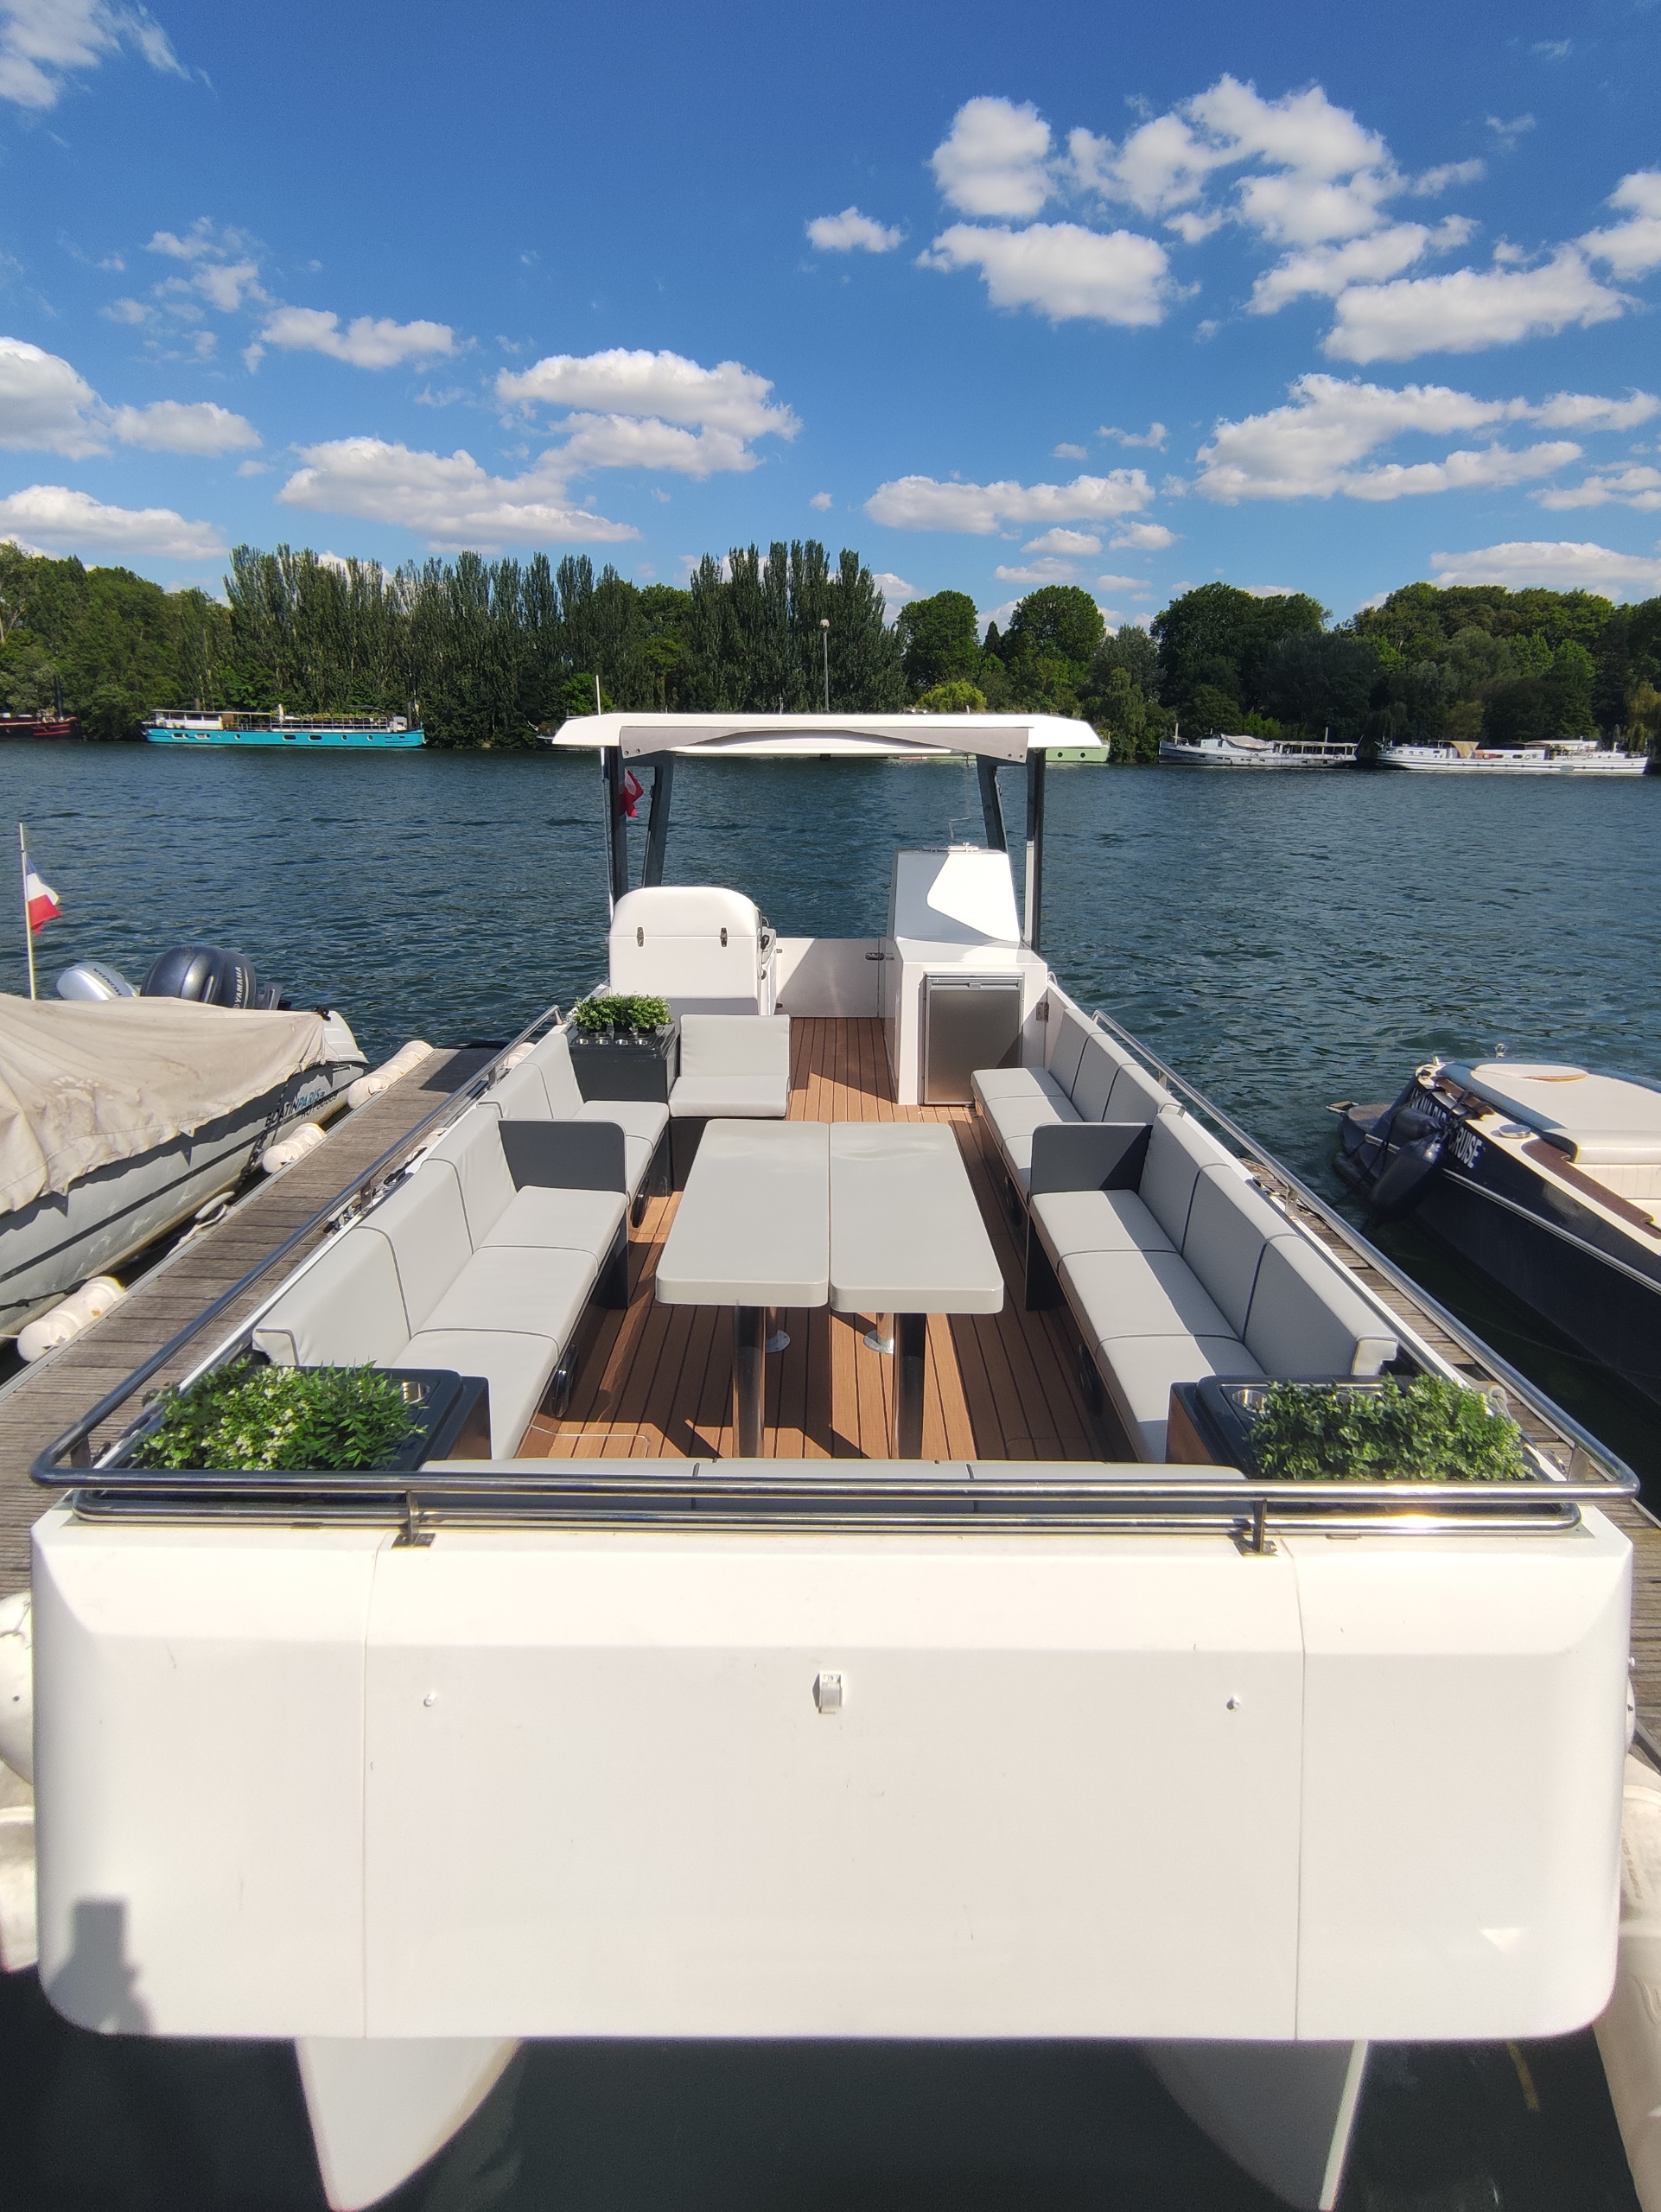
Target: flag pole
29, 934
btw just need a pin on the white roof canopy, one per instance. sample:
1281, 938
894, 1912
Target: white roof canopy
1000, 737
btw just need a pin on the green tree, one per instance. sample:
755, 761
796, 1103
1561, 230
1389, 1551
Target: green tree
1218, 639
939, 639
957, 697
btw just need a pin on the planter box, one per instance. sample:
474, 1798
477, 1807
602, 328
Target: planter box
636, 1065
452, 1416
1210, 1421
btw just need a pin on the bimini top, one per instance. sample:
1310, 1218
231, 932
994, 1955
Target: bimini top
1001, 737
1595, 1119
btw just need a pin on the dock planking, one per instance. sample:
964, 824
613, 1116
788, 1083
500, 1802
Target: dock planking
40, 1403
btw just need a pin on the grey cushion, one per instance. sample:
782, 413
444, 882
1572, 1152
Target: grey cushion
1177, 1151
1228, 1224
1136, 1097
552, 1061
753, 1096
1015, 1083
517, 1290
1094, 1081
521, 1095
516, 1367
1072, 1032
1140, 1372
1096, 1221
551, 1219
1133, 1294
345, 1310
736, 1044
1012, 1121
645, 1118
473, 1148
1306, 1319
426, 1225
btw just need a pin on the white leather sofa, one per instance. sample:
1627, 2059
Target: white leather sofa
482, 1260
732, 1066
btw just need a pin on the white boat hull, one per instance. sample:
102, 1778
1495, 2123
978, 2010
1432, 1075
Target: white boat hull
1440, 760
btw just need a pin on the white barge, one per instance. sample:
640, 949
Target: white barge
842, 1635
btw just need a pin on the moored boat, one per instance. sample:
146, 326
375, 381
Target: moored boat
1245, 752
59, 726
1545, 1177
1567, 757
375, 733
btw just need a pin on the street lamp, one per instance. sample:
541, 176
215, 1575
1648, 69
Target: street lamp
825, 639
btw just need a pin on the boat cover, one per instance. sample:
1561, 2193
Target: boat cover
85, 1084
1598, 1120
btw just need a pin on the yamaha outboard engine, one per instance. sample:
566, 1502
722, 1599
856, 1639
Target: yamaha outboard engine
210, 975
94, 979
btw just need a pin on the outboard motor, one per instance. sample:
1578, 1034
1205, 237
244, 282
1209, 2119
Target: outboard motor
94, 979
210, 975
1410, 1144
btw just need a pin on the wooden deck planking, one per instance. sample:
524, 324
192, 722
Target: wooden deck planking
658, 1380
40, 1402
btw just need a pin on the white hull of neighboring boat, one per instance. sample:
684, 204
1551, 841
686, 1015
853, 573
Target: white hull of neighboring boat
59, 1240
1531, 760
1252, 753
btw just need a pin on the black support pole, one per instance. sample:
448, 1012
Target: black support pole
997, 838
1033, 913
657, 833
611, 761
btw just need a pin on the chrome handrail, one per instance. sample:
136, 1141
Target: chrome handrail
1622, 1479
351, 1199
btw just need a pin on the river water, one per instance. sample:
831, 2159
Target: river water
1283, 941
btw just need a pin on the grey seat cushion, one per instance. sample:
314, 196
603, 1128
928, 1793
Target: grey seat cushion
425, 1222
1012, 1121
345, 1310
559, 1220
518, 1368
517, 1290
733, 1065
1096, 1221
1093, 1083
1136, 1097
1229, 1225
1015, 1083
1177, 1151
730, 1096
1070, 1034
1135, 1294
552, 1061
1308, 1320
1140, 1373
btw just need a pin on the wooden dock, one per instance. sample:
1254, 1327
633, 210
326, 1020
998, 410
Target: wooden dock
41, 1402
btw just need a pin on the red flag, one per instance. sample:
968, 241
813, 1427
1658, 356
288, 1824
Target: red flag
40, 899
629, 792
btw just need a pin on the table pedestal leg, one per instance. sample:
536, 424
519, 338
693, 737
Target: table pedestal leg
910, 1338
750, 1373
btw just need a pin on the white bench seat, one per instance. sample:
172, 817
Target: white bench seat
544, 1087
1191, 1273
1088, 1078
733, 1065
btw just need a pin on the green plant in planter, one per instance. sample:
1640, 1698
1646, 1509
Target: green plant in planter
245, 1415
1425, 1430
623, 1014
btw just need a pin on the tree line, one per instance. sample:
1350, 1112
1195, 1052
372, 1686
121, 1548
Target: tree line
491, 653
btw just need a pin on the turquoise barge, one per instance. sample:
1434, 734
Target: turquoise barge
375, 733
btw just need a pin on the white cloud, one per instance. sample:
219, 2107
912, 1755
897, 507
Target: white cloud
1315, 445
41, 41
1062, 269
447, 499
174, 426
728, 396
53, 515
367, 342
925, 503
1469, 309
1064, 541
1270, 591
1558, 565
851, 231
1331, 268
822, 501
1143, 537
994, 160
894, 590
1039, 572
1634, 486
1509, 133
1632, 248
224, 265
1069, 453
999, 614
1435, 181
45, 406
1552, 49
1154, 436
1121, 583
132, 311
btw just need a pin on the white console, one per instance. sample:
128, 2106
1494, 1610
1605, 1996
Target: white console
951, 915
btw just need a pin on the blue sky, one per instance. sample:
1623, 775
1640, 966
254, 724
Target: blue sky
1303, 297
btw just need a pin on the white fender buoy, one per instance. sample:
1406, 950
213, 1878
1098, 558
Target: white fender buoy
511, 1059
18, 1686
390, 1072
379, 2108
1629, 2033
69, 1316
294, 1144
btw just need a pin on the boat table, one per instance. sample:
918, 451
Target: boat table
906, 1238
753, 1230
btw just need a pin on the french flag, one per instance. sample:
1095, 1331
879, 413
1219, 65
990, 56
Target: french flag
40, 899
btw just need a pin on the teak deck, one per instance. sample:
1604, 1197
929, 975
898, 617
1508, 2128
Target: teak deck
656, 1381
